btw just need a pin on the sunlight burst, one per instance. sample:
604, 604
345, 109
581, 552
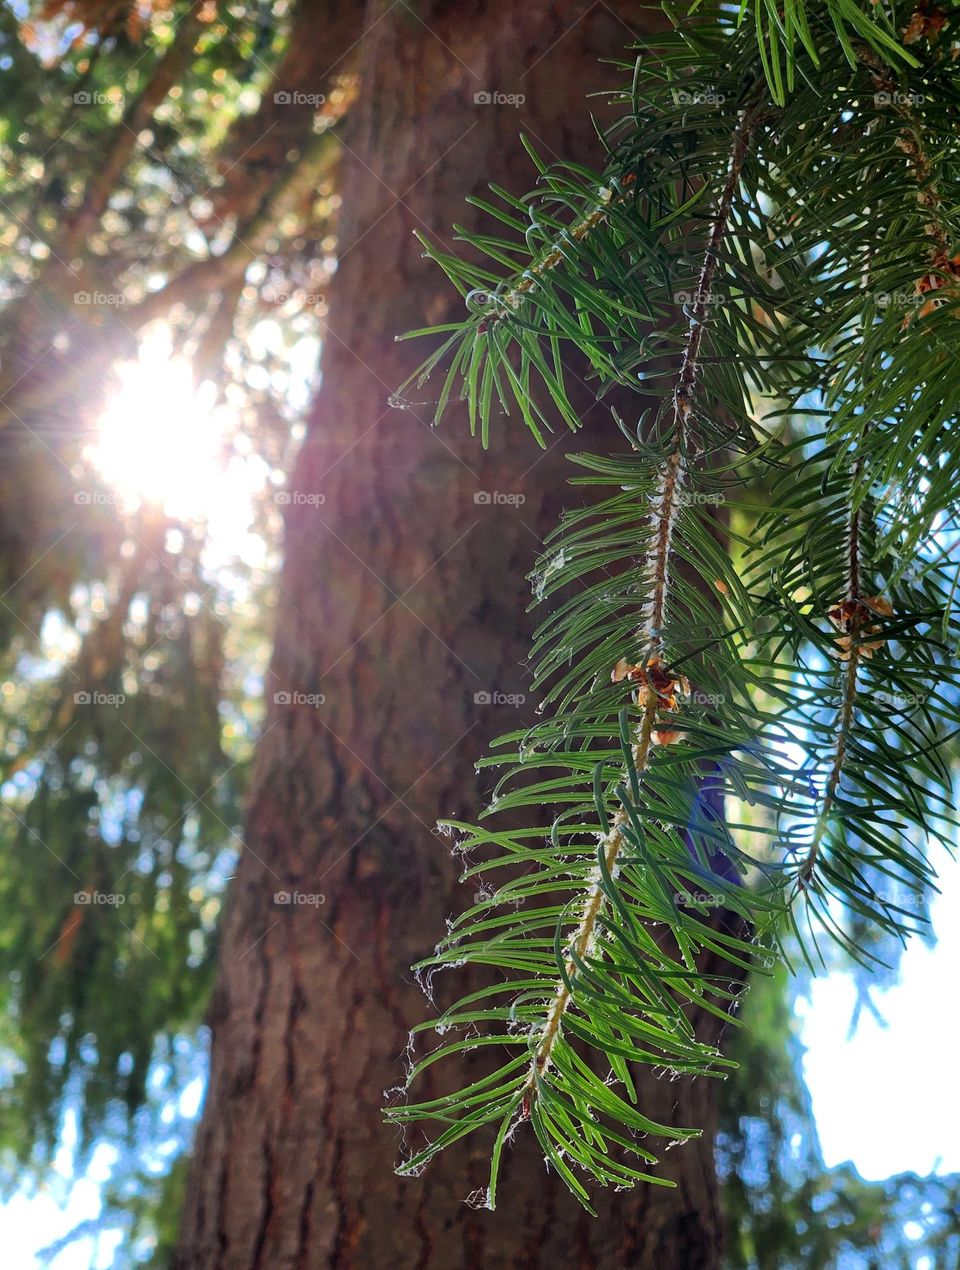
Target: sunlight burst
165, 443
160, 439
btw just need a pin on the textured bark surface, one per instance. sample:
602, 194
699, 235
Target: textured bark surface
401, 599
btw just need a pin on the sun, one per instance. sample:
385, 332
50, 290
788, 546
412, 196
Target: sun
163, 442
161, 439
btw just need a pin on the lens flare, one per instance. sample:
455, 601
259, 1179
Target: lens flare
160, 439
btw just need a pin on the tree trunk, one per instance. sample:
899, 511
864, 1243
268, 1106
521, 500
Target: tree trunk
401, 599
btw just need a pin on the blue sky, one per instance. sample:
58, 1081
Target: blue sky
885, 1098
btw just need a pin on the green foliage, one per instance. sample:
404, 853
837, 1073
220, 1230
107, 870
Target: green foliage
771, 273
114, 864
787, 36
81, 96
130, 665
843, 202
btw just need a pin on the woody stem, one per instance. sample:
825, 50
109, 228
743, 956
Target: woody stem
663, 517
848, 705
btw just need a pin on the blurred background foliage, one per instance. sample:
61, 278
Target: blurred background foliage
133, 639
157, 180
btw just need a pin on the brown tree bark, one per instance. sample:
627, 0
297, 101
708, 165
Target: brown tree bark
401, 598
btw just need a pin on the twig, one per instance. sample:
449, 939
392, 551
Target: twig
663, 518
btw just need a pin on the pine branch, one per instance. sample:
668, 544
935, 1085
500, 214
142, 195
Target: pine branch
552, 256
585, 938
592, 262
657, 684
922, 170
847, 712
